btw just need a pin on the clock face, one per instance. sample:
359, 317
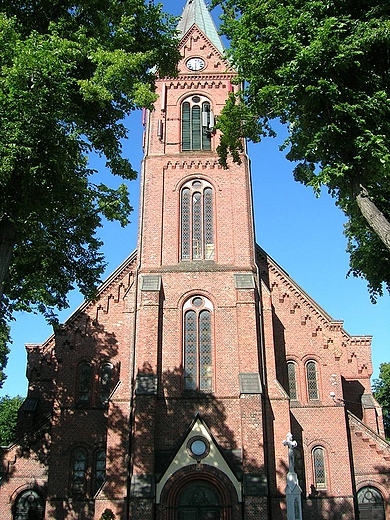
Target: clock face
195, 64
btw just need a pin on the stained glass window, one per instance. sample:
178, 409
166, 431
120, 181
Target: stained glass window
198, 345
369, 495
292, 380
197, 124
79, 470
197, 226
208, 224
84, 383
312, 380
205, 351
105, 382
190, 350
319, 468
99, 470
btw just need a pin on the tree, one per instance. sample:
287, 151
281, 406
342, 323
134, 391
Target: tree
69, 74
9, 407
381, 389
322, 68
107, 515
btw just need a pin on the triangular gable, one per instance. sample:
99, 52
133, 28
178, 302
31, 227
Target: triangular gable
195, 42
198, 447
196, 13
115, 286
288, 284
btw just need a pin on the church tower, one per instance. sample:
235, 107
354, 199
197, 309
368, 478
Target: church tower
197, 356
172, 395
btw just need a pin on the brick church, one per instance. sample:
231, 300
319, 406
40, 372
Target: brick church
170, 397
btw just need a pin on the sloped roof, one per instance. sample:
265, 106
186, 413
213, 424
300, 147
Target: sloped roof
196, 13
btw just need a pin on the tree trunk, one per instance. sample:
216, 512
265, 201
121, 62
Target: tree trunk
7, 242
375, 218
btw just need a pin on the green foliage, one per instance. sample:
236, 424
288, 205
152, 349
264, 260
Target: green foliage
107, 515
69, 74
322, 68
381, 388
4, 350
9, 407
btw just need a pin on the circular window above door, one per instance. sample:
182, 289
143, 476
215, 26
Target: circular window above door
198, 447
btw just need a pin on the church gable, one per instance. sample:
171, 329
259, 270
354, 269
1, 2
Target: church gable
69, 365
198, 448
316, 359
196, 44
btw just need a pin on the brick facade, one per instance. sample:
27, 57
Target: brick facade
259, 320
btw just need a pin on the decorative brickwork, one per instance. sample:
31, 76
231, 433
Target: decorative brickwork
120, 388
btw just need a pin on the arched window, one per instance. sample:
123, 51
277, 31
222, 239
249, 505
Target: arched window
99, 470
29, 505
84, 384
197, 123
197, 215
197, 344
371, 503
319, 468
312, 380
105, 382
292, 380
79, 468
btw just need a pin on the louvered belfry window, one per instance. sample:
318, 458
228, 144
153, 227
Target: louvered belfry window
197, 221
197, 124
197, 344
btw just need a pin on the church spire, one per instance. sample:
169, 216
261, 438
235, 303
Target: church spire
196, 13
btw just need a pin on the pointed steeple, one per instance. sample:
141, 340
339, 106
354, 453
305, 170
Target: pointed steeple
196, 12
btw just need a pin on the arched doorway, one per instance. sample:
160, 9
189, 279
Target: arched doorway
199, 501
29, 505
194, 493
371, 506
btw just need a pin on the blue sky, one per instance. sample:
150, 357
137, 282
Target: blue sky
302, 233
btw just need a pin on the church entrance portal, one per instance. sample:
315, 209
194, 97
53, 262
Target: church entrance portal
199, 501
370, 503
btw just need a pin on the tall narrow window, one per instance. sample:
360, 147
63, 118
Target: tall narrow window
105, 382
197, 226
319, 468
79, 466
197, 124
84, 384
198, 345
312, 380
299, 467
292, 380
99, 470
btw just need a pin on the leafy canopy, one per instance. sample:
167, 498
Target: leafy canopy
381, 387
9, 407
69, 75
323, 69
